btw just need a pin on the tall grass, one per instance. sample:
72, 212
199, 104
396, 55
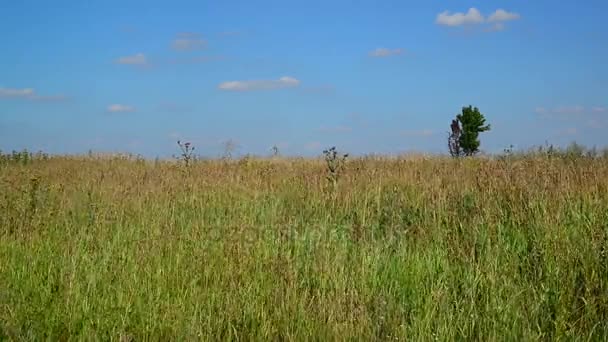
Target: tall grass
432, 248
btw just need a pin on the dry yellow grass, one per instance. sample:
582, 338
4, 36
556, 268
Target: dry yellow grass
408, 248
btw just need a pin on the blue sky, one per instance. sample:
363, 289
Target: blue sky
365, 76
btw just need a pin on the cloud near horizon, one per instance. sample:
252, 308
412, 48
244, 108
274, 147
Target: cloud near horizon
589, 116
563, 110
249, 85
120, 108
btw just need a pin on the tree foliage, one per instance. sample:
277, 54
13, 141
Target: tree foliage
465, 129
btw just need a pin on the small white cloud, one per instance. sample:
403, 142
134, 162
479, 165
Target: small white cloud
184, 44
599, 109
384, 52
501, 15
119, 108
540, 110
473, 16
137, 59
569, 110
283, 82
16, 93
29, 94
188, 42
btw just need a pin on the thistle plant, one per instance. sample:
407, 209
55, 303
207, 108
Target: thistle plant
275, 151
335, 165
187, 152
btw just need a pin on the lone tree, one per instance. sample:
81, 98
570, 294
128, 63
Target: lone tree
464, 139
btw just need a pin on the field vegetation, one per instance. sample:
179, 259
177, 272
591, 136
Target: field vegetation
509, 247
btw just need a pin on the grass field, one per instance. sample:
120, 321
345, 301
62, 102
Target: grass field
251, 249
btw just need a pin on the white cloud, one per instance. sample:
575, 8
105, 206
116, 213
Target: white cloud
188, 42
16, 93
283, 82
119, 108
384, 52
473, 16
137, 59
184, 44
569, 110
599, 109
29, 94
501, 15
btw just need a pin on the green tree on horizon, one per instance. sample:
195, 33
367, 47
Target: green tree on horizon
464, 139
